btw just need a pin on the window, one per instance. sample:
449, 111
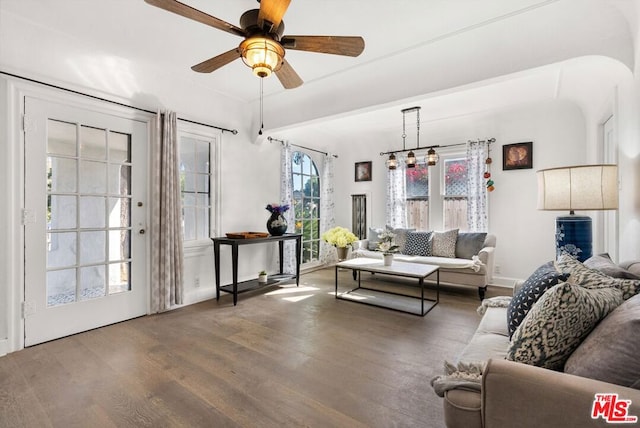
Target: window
455, 193
306, 205
417, 182
196, 172
450, 175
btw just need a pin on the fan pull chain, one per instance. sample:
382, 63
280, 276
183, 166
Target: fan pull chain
261, 106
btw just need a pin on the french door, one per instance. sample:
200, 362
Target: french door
84, 218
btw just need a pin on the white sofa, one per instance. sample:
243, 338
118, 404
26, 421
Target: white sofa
476, 272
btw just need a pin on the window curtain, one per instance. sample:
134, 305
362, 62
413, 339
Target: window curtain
477, 219
327, 209
396, 210
286, 197
166, 216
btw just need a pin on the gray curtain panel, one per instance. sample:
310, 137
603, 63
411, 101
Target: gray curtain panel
166, 216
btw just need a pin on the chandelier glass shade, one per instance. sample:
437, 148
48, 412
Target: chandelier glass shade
262, 54
432, 157
411, 160
392, 162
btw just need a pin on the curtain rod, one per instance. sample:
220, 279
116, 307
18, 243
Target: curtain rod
233, 131
302, 147
490, 140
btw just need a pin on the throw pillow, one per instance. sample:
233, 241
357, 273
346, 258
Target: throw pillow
604, 264
443, 244
400, 237
418, 244
556, 325
545, 277
610, 352
469, 244
374, 238
591, 278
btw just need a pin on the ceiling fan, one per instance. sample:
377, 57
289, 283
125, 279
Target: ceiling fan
263, 47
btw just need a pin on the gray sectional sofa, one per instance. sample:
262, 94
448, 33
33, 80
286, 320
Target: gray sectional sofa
469, 266
498, 381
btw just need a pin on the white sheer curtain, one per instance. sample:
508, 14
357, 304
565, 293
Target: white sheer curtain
286, 197
166, 216
327, 209
396, 211
477, 219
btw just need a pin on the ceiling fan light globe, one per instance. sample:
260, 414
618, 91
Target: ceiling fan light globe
262, 54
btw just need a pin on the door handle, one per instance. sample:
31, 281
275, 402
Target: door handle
141, 231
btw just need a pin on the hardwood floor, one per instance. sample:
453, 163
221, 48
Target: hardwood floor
285, 356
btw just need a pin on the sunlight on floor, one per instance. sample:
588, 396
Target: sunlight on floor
292, 290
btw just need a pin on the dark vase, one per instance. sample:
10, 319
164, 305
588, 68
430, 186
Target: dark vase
277, 224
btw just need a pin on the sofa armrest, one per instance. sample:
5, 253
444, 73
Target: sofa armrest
519, 395
486, 256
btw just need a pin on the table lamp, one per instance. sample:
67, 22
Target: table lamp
584, 188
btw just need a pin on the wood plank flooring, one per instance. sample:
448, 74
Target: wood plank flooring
283, 357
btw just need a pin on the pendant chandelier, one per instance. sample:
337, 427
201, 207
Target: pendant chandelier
431, 158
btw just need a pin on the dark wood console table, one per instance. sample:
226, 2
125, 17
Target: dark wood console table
236, 287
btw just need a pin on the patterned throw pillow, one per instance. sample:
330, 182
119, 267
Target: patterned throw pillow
469, 244
418, 244
374, 238
443, 244
545, 277
591, 278
556, 325
400, 237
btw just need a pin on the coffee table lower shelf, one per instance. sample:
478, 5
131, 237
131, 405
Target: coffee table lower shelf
415, 305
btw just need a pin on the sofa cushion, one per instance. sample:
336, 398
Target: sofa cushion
418, 244
591, 278
556, 325
604, 264
543, 278
400, 237
374, 238
610, 352
443, 244
469, 244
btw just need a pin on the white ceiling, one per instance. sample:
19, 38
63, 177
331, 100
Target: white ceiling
418, 52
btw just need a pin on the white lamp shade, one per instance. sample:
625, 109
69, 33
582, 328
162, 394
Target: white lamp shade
586, 187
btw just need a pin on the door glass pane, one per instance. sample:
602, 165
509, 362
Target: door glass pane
61, 174
92, 247
61, 212
119, 277
92, 282
61, 287
61, 138
119, 244
93, 143
119, 147
62, 249
93, 177
119, 211
92, 212
119, 179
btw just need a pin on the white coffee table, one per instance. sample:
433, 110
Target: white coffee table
375, 297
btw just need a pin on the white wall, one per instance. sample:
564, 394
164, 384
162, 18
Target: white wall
525, 236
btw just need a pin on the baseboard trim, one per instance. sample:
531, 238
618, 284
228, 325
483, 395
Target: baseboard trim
4, 347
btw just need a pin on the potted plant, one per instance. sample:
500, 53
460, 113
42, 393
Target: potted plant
341, 238
388, 246
262, 276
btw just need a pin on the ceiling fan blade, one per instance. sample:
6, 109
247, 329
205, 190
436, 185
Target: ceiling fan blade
288, 76
337, 45
212, 64
272, 11
191, 13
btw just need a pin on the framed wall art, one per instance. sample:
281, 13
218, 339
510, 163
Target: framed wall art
517, 156
363, 171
